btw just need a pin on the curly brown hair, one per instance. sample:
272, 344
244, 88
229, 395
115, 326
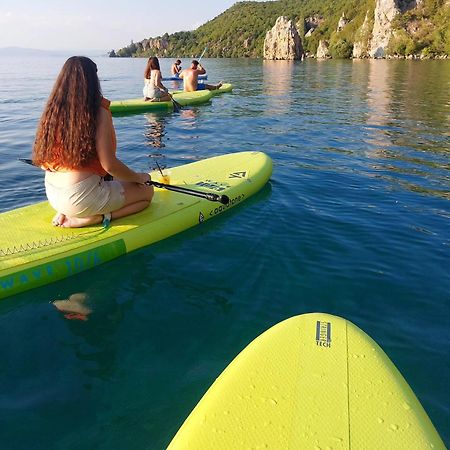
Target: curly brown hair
65, 137
152, 64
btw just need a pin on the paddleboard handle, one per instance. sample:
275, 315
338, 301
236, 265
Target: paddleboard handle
224, 199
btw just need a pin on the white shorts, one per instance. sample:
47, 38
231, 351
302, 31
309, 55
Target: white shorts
153, 92
88, 197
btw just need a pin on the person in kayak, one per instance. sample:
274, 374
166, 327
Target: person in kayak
176, 68
154, 90
190, 78
76, 146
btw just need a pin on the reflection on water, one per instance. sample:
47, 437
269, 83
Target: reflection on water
378, 95
277, 80
189, 118
159, 128
155, 130
403, 135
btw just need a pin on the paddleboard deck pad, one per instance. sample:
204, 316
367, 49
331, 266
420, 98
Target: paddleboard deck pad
34, 253
314, 381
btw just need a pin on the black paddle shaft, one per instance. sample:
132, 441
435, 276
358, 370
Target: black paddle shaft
211, 196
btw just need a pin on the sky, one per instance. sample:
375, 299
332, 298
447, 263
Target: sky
98, 24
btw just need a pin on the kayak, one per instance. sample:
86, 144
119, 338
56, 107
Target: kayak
34, 253
175, 78
313, 381
137, 105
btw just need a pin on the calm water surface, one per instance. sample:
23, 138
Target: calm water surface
355, 222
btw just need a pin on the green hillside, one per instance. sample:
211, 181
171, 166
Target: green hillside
240, 30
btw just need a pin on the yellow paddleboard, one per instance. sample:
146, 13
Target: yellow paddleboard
34, 253
314, 381
226, 87
137, 105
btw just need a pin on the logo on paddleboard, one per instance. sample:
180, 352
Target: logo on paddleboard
323, 334
238, 175
201, 217
213, 185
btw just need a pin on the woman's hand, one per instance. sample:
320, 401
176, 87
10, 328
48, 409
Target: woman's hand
144, 178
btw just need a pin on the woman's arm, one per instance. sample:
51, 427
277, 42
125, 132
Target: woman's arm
200, 69
106, 153
158, 81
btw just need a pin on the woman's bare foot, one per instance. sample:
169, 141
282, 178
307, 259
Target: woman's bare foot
59, 219
79, 222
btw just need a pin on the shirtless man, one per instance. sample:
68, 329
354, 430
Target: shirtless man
190, 78
176, 68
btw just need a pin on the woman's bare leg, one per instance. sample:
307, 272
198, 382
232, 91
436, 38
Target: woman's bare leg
137, 198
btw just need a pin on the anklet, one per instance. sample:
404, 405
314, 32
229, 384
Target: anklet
106, 220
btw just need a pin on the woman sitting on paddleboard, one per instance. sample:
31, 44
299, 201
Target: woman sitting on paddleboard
76, 145
154, 90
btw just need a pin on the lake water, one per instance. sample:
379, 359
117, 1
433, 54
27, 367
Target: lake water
354, 222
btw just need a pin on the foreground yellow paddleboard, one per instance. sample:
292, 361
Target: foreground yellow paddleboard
34, 253
314, 381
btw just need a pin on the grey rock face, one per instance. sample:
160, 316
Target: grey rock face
323, 50
283, 41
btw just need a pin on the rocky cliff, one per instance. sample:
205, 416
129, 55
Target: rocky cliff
347, 28
323, 50
283, 41
361, 44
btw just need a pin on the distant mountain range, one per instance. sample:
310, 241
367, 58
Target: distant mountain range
29, 52
420, 27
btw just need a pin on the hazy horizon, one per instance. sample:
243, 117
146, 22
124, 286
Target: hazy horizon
50, 25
